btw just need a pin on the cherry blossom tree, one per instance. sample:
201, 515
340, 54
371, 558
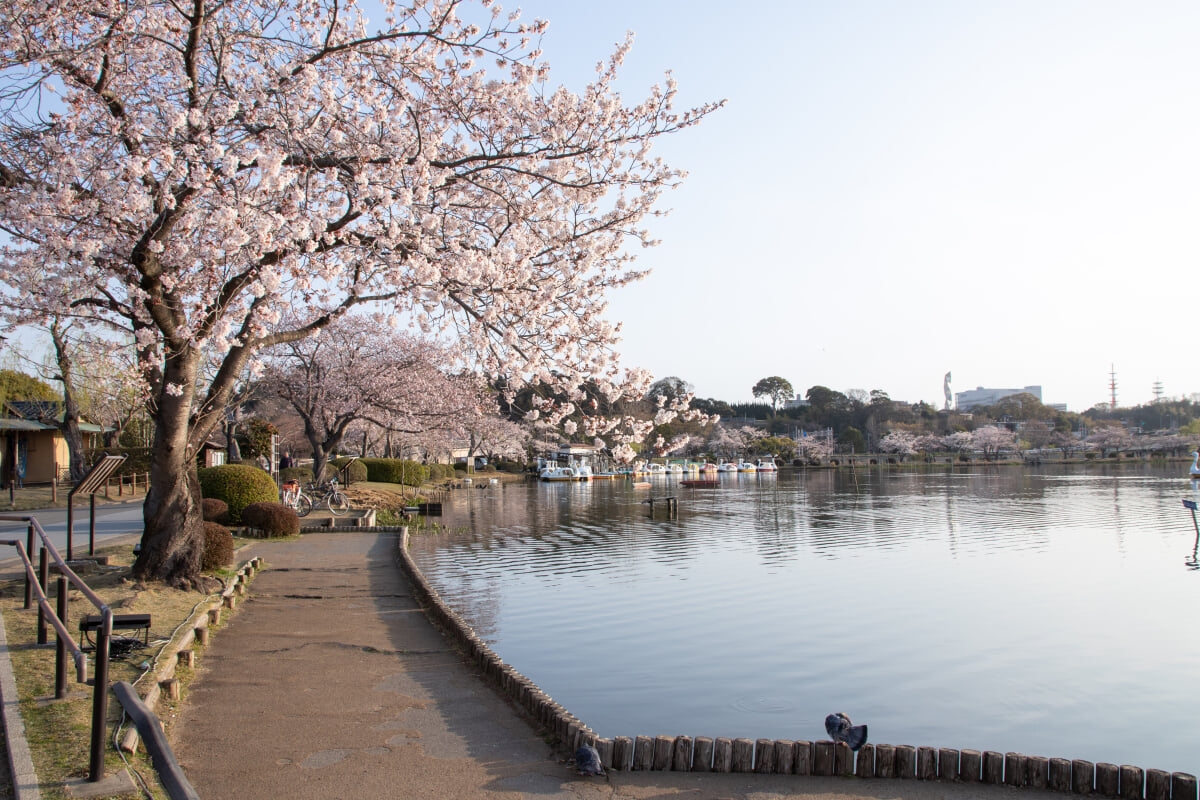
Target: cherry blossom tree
187, 172
1114, 438
352, 372
814, 448
993, 440
957, 442
900, 443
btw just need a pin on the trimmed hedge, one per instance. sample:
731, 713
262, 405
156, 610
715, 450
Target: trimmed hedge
238, 485
273, 519
394, 470
218, 546
302, 474
214, 510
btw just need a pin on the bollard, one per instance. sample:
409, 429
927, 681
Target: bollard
1132, 781
1060, 775
681, 756
622, 753
906, 761
823, 756
970, 766
927, 763
1158, 785
885, 761
1108, 779
664, 746
804, 758
702, 754
947, 760
214, 616
864, 763
843, 760
785, 757
764, 756
1183, 786
1014, 769
993, 767
1037, 772
743, 755
722, 754
1083, 776
643, 753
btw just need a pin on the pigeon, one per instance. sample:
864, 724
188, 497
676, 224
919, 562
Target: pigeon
587, 760
840, 729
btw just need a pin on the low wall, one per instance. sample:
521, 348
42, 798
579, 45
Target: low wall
788, 757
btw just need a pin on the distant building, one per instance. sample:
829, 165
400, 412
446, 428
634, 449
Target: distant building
799, 402
965, 401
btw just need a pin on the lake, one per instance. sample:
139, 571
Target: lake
1048, 611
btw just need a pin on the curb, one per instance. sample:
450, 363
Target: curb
24, 777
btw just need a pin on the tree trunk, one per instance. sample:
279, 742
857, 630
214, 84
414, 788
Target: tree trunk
233, 453
173, 540
70, 420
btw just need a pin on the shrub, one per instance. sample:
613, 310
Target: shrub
214, 510
460, 466
357, 471
302, 474
273, 519
238, 485
218, 546
393, 470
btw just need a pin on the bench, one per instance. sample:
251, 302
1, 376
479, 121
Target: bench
124, 622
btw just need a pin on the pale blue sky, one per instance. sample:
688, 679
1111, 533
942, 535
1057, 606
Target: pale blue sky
1005, 190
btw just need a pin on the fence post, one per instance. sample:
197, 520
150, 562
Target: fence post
28, 580
60, 650
43, 582
100, 697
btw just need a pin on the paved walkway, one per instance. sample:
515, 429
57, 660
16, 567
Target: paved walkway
330, 683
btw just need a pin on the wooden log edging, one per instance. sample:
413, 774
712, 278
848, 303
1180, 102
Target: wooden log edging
788, 757
181, 649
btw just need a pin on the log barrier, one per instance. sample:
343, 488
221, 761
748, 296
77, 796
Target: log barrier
789, 757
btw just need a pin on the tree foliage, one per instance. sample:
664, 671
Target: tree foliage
208, 165
776, 389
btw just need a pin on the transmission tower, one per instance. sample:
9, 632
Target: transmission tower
1112, 385
1158, 392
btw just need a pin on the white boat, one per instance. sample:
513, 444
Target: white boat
766, 465
583, 471
674, 469
745, 466
727, 466
656, 469
553, 472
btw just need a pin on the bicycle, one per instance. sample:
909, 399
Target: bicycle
334, 500
295, 499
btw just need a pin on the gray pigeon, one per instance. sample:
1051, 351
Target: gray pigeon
587, 760
840, 729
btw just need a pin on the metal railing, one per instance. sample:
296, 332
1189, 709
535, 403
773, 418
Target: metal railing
35, 589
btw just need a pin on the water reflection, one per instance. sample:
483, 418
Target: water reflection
984, 604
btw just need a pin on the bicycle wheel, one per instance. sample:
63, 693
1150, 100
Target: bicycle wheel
303, 505
338, 504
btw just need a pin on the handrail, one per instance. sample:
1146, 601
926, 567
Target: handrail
34, 585
77, 654
170, 774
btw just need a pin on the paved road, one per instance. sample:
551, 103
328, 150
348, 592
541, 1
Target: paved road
113, 521
329, 682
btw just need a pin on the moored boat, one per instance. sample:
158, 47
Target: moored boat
745, 466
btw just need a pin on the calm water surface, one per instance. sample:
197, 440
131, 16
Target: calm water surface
1049, 612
